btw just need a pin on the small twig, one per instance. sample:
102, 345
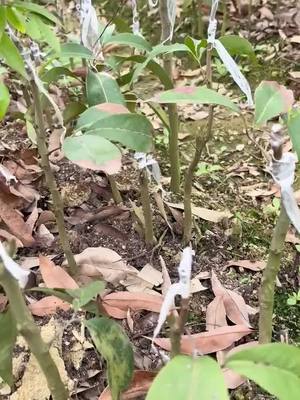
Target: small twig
158, 245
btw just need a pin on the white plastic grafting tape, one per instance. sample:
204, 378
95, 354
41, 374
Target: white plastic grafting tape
147, 161
283, 172
89, 27
171, 7
20, 274
182, 288
152, 3
135, 18
226, 58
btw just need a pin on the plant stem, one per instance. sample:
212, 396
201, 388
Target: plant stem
266, 301
172, 108
114, 189
177, 328
225, 17
29, 330
50, 180
146, 205
200, 145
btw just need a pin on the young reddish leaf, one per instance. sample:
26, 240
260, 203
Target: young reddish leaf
134, 300
139, 386
93, 152
215, 314
112, 108
247, 264
208, 342
235, 306
271, 100
54, 276
48, 306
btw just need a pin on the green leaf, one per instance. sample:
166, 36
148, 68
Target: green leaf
153, 66
69, 50
132, 130
293, 125
193, 94
236, 45
31, 133
48, 35
15, 19
32, 28
188, 378
93, 152
8, 335
56, 73
36, 9
72, 111
11, 55
275, 367
102, 88
131, 40
4, 100
271, 100
156, 51
2, 20
113, 344
93, 114
85, 294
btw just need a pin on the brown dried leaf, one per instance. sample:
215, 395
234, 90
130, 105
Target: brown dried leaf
16, 224
247, 264
204, 213
139, 386
235, 306
9, 237
208, 342
54, 276
151, 275
134, 301
216, 314
104, 263
48, 306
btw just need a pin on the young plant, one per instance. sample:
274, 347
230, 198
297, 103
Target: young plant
272, 100
17, 320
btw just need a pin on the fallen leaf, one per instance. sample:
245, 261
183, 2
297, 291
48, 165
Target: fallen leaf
104, 263
48, 306
235, 306
295, 39
216, 314
207, 342
139, 386
16, 224
151, 275
232, 379
32, 262
204, 213
54, 276
166, 277
9, 237
247, 264
134, 301
196, 286
266, 13
3, 302
292, 238
295, 74
44, 236
31, 220
114, 311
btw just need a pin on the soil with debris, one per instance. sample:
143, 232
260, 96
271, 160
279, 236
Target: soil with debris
233, 180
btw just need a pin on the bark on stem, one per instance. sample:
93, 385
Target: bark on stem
50, 180
200, 145
116, 195
266, 302
146, 206
31, 333
172, 108
177, 329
